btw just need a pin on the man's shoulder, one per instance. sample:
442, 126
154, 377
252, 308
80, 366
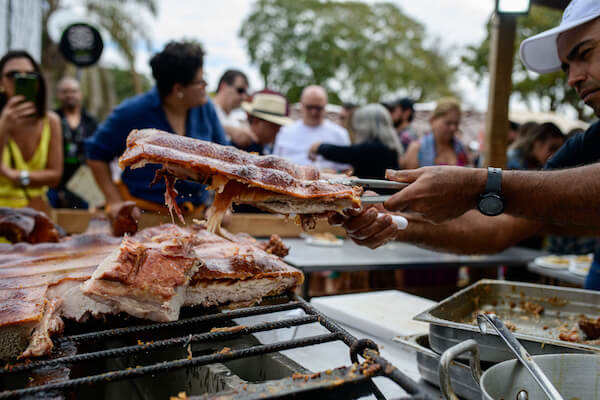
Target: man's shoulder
581, 149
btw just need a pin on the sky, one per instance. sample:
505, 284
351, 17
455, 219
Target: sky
455, 24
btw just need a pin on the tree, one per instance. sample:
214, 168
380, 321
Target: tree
550, 91
357, 51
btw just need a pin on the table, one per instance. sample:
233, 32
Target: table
334, 354
396, 255
560, 274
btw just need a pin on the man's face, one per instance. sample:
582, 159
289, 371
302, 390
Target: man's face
237, 92
313, 108
69, 95
579, 52
265, 130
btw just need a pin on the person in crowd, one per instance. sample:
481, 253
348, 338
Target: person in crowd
376, 146
440, 146
513, 132
294, 140
178, 104
77, 125
345, 118
534, 150
267, 113
231, 91
575, 132
451, 209
404, 110
30, 136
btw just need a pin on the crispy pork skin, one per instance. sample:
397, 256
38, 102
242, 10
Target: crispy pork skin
27, 225
145, 279
269, 182
39, 283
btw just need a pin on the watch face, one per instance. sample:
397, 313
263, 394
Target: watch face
491, 205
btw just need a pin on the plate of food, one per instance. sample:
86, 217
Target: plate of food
553, 262
325, 239
580, 265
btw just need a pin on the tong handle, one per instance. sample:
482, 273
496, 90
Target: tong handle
379, 184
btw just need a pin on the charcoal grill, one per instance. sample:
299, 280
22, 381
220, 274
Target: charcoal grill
90, 358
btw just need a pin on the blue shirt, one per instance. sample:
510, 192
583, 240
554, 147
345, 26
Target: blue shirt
145, 111
581, 149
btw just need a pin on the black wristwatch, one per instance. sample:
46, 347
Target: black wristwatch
491, 201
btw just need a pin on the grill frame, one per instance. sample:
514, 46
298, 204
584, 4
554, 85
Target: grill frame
365, 348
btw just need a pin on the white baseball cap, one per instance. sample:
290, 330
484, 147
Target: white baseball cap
539, 52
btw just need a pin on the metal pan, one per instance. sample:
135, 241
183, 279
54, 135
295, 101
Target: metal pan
453, 320
574, 375
428, 362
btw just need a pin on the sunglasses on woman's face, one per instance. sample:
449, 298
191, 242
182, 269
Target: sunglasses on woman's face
13, 74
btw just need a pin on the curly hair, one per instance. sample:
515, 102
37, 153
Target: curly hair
40, 101
177, 63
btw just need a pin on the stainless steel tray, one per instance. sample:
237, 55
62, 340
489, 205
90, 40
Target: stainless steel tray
451, 321
428, 361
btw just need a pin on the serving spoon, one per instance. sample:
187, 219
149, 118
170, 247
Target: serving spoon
522, 354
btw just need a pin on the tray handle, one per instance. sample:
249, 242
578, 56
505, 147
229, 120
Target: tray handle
449, 356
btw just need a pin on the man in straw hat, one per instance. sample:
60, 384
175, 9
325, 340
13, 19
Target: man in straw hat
469, 210
266, 114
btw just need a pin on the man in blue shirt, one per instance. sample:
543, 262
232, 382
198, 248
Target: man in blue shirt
177, 104
479, 211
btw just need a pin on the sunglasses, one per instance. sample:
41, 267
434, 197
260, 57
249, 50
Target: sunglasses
241, 90
310, 107
13, 74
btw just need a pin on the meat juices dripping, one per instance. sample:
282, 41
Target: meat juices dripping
170, 193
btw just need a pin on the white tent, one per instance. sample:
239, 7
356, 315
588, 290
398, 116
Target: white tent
21, 26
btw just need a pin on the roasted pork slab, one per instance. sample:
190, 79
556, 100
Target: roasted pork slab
268, 182
149, 275
146, 278
26, 225
39, 283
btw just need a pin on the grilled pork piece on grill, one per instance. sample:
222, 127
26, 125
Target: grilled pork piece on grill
267, 182
146, 278
39, 283
237, 274
27, 225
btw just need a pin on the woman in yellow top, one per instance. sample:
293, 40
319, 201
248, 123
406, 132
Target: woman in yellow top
30, 137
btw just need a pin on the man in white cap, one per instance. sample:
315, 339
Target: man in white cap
267, 113
469, 210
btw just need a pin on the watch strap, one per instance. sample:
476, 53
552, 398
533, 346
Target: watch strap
494, 180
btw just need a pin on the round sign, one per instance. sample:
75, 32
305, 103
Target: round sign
81, 44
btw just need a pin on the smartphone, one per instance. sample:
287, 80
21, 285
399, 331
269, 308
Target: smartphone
27, 85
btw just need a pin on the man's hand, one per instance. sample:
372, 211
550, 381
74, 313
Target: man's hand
368, 227
437, 194
312, 151
242, 136
124, 217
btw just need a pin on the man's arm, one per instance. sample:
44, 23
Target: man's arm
471, 233
569, 198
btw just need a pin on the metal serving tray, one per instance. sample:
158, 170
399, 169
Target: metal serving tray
428, 362
452, 320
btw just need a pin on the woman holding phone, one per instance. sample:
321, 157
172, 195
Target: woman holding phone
30, 136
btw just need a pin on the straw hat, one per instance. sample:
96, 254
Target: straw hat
270, 107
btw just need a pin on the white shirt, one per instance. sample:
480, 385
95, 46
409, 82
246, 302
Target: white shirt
233, 119
293, 142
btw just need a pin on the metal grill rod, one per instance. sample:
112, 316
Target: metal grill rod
197, 338
243, 312
172, 365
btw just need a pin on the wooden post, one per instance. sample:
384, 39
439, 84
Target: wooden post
501, 65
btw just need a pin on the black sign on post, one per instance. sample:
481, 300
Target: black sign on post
81, 44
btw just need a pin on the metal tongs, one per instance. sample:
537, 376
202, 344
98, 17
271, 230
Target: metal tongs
367, 184
370, 184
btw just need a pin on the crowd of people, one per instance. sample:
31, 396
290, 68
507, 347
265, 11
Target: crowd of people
43, 150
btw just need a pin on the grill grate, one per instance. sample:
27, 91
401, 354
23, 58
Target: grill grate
374, 366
